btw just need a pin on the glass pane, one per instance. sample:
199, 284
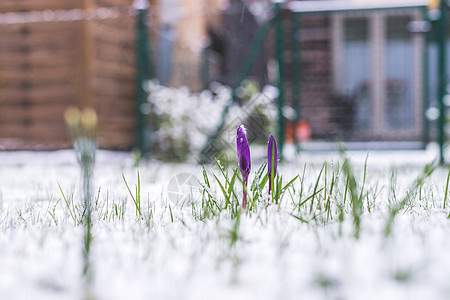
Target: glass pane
357, 70
399, 66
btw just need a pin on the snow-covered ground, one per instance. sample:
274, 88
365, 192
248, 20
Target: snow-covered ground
171, 253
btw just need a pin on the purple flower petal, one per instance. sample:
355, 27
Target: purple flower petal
272, 150
272, 155
243, 151
244, 161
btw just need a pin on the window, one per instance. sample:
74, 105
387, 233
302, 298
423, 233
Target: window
357, 71
399, 73
377, 62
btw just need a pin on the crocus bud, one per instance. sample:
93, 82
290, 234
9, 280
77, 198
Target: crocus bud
243, 153
72, 115
89, 122
272, 159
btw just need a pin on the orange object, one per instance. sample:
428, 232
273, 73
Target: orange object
302, 131
289, 133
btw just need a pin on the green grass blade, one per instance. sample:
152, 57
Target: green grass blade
289, 184
446, 191
231, 187
315, 189
300, 219
225, 194
72, 214
418, 183
131, 194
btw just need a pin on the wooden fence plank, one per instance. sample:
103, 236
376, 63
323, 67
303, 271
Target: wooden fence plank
38, 93
31, 5
28, 28
115, 53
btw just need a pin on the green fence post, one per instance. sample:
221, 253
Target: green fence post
426, 82
279, 53
442, 75
143, 72
204, 68
296, 75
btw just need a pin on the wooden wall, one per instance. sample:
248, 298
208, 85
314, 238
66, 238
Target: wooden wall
47, 66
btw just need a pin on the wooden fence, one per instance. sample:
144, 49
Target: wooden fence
47, 65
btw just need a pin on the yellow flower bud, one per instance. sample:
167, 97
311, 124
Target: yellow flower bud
72, 116
89, 119
433, 4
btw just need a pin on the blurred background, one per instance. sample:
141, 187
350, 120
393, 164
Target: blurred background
174, 78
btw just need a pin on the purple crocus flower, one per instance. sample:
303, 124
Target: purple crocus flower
272, 157
243, 153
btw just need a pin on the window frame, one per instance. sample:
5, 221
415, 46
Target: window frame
377, 21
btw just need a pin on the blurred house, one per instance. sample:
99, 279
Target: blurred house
361, 65
362, 69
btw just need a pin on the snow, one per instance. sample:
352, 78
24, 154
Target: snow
275, 257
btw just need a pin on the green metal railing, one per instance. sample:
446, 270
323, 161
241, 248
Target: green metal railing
295, 41
426, 84
441, 32
144, 72
279, 54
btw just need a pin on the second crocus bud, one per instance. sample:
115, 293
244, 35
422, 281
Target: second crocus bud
272, 160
